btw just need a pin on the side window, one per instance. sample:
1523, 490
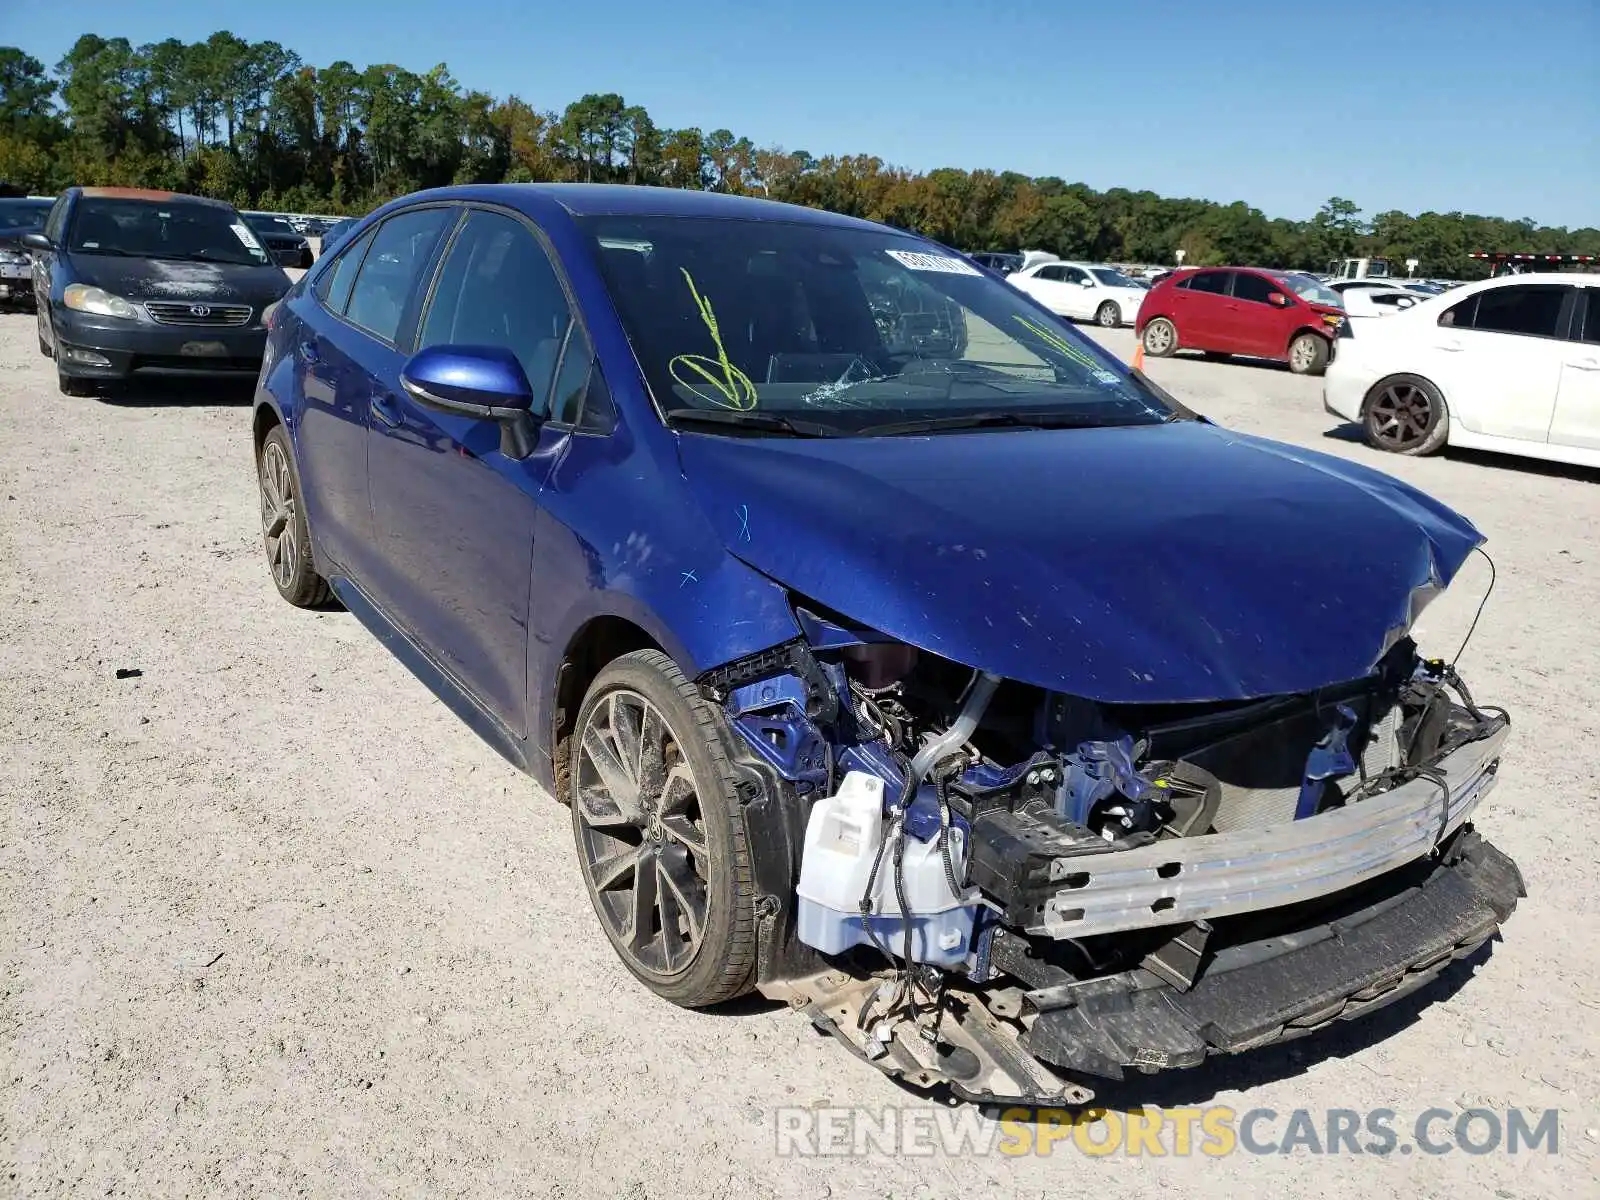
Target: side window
1459, 316
581, 399
1588, 327
1252, 287
333, 285
1215, 282
388, 275
1074, 275
1531, 309
1053, 274
55, 223
497, 288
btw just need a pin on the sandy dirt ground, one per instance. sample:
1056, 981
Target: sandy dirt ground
273, 922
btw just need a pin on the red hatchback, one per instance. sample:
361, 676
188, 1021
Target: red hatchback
1241, 310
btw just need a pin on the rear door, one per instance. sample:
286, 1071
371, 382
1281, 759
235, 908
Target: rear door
1577, 416
1200, 311
455, 517
331, 438
1498, 357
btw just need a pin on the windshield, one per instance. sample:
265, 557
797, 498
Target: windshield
1313, 290
183, 229
847, 328
23, 214
266, 223
1112, 277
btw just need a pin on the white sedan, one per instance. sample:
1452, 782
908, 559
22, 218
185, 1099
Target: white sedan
1083, 291
1509, 364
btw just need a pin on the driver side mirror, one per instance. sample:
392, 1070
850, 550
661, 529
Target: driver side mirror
1278, 300
36, 241
1086, 283
484, 383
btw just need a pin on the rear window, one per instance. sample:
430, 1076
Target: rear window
186, 230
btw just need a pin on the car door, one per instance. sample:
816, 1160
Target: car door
1577, 415
331, 443
1077, 293
1497, 355
1045, 285
1256, 323
455, 516
1199, 310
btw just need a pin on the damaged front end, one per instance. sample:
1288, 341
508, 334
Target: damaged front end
1009, 890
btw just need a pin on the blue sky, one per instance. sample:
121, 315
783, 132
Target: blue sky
1491, 108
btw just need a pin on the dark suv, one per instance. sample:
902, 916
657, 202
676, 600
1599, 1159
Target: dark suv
1280, 315
130, 281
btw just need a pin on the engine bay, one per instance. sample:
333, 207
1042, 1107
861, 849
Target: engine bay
967, 835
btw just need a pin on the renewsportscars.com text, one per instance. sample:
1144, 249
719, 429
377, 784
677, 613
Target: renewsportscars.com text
1214, 1131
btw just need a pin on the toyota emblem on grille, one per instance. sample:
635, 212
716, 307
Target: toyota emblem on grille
199, 310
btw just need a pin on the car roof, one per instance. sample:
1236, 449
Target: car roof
151, 194
624, 200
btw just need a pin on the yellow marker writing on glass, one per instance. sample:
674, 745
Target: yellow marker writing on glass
715, 380
1056, 342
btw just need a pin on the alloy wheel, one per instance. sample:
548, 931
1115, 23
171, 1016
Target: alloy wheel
278, 515
1158, 337
641, 834
1302, 354
1401, 416
1108, 316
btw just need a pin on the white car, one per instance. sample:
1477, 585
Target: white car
1083, 291
1377, 301
1510, 364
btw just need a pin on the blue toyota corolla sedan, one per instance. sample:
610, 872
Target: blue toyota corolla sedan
899, 652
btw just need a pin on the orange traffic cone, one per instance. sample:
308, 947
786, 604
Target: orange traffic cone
1138, 356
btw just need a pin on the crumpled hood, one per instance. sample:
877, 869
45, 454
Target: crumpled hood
141, 279
1148, 564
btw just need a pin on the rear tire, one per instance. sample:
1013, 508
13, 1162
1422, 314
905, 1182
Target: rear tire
1108, 315
661, 837
1160, 338
284, 532
1405, 414
1309, 354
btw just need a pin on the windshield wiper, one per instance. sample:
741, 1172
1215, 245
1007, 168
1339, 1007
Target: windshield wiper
989, 420
101, 250
766, 422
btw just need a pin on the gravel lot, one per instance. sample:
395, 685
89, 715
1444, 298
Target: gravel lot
274, 923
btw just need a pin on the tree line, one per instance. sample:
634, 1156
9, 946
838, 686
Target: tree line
252, 123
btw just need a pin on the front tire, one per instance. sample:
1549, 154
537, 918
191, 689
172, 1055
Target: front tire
1405, 414
284, 532
1160, 338
660, 833
1309, 354
1108, 316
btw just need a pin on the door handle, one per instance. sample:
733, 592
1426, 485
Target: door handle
310, 353
1452, 347
1584, 364
383, 407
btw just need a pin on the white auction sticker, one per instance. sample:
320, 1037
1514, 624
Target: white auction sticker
942, 263
242, 232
